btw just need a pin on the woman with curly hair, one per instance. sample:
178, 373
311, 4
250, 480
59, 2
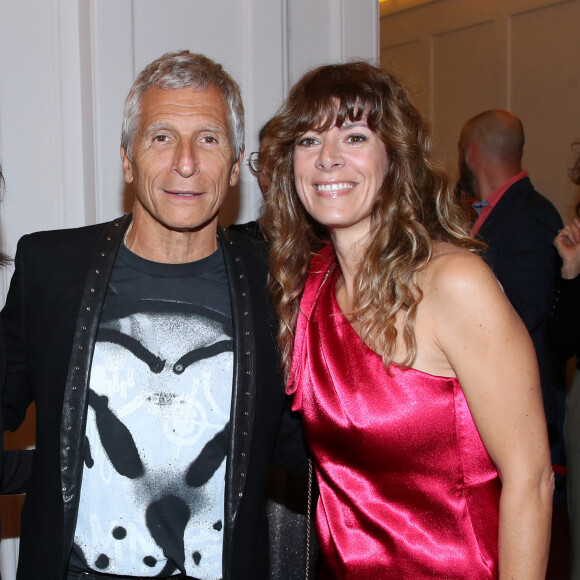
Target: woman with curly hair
416, 380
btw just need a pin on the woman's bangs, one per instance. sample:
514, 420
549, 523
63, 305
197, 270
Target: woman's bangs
329, 112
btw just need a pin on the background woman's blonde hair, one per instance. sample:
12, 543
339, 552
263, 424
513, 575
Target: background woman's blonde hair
414, 205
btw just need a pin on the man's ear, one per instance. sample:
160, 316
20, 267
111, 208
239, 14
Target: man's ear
471, 154
235, 171
127, 166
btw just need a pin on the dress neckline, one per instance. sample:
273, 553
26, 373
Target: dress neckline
331, 278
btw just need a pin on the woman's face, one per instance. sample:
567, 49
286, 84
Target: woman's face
338, 174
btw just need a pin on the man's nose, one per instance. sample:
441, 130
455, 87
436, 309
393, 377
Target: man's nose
186, 162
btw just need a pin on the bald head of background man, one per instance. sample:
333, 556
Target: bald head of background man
491, 146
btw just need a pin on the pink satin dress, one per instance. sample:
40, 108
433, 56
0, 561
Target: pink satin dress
407, 489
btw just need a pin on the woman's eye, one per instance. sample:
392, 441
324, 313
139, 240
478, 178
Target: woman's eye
307, 142
356, 139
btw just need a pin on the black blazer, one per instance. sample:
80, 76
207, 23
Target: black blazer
16, 465
50, 323
519, 233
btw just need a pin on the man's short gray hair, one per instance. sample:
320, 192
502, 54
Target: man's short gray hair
179, 70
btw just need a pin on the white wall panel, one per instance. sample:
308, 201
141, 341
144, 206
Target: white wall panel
108, 73
265, 84
323, 31
356, 19
316, 39
31, 114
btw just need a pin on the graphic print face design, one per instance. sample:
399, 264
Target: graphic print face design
157, 432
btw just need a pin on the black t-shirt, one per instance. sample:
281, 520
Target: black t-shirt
152, 497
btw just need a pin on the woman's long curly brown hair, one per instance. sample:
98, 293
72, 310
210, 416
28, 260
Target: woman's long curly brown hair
414, 205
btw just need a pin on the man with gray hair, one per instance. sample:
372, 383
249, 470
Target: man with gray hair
518, 225
147, 345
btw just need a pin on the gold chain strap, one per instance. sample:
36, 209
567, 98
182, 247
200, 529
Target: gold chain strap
308, 516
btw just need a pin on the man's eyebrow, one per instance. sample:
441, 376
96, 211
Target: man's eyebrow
213, 128
166, 126
157, 127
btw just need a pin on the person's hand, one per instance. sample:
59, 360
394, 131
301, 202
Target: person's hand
567, 243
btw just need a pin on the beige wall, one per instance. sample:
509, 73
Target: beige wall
460, 57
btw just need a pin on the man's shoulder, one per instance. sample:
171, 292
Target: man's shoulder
525, 194
528, 202
71, 247
49, 238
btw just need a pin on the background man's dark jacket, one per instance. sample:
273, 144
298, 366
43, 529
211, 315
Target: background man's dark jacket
50, 322
519, 232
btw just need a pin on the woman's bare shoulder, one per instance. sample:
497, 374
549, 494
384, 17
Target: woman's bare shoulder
463, 299
448, 260
454, 271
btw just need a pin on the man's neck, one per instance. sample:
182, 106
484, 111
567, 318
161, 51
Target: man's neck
492, 181
163, 245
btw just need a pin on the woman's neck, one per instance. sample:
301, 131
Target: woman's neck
350, 254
